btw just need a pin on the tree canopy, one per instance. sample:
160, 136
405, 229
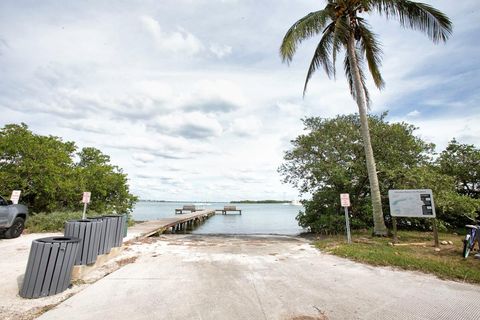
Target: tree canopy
329, 159
51, 178
343, 27
462, 161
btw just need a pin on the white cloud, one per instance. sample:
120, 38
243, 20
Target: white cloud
178, 42
194, 125
442, 130
414, 113
246, 127
143, 157
220, 50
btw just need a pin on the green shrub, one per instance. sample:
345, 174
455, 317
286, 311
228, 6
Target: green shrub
51, 222
55, 221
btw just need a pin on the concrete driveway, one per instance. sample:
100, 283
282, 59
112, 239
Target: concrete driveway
209, 277
13, 261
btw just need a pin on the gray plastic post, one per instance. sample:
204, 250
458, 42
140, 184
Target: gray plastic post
347, 224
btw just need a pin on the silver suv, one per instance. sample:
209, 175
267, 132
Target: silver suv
12, 218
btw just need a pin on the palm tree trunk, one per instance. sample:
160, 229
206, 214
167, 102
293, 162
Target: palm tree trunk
379, 227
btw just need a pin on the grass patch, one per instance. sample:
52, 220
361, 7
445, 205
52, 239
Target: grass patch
447, 263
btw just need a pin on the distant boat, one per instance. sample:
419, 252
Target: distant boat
295, 203
203, 204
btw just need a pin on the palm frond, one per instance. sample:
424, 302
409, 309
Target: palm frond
340, 39
308, 26
321, 57
349, 76
371, 48
416, 16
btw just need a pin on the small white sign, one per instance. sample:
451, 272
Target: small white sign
15, 196
415, 203
345, 199
86, 197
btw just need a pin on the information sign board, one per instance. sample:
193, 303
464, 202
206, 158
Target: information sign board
416, 203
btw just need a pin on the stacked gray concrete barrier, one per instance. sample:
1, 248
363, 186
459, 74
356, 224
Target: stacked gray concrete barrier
89, 231
49, 267
119, 222
106, 234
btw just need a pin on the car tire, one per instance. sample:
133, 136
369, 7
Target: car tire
16, 229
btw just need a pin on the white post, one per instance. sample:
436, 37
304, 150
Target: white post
84, 216
345, 203
85, 200
347, 223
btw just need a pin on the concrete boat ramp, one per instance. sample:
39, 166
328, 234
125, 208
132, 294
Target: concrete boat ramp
186, 276
198, 277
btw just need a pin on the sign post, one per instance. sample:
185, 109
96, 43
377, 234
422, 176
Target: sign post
85, 201
394, 225
435, 233
417, 203
345, 202
15, 196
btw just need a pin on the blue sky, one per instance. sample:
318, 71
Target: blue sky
190, 96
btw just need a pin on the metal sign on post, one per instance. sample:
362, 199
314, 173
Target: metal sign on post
85, 201
414, 203
15, 196
345, 202
345, 199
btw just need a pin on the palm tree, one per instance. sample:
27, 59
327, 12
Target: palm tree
343, 27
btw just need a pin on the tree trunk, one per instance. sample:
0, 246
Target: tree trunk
379, 227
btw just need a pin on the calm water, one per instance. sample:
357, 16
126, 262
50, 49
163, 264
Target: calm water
255, 218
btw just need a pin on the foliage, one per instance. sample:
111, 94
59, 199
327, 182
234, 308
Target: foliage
40, 166
340, 20
454, 210
462, 161
106, 182
44, 168
55, 221
329, 159
50, 222
448, 263
321, 218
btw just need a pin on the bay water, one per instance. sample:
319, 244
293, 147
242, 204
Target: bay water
256, 218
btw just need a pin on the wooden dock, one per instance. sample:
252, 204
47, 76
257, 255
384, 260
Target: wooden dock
229, 209
178, 223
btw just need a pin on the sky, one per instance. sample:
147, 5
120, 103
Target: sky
191, 98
